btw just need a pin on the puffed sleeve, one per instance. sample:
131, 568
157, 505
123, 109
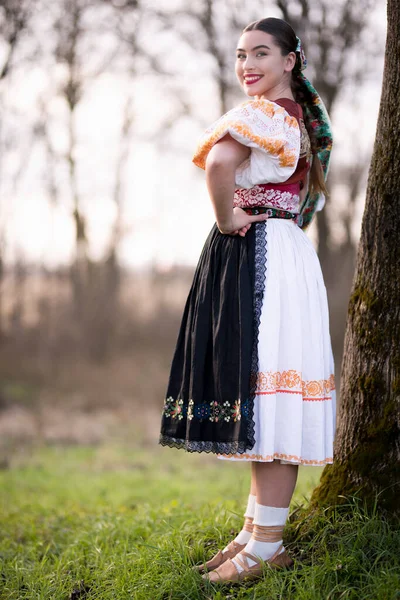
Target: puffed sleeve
267, 128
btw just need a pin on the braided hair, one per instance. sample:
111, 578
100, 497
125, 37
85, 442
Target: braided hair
286, 39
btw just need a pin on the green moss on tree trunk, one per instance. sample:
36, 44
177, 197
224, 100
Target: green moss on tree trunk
367, 444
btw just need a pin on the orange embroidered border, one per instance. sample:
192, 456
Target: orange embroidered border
287, 158
276, 147
291, 382
276, 455
271, 109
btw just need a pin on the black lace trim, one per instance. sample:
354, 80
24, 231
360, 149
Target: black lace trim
260, 274
215, 447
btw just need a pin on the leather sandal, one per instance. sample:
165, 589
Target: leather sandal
228, 572
231, 551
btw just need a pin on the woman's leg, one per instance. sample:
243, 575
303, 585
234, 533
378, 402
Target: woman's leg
274, 485
274, 482
243, 537
253, 484
244, 534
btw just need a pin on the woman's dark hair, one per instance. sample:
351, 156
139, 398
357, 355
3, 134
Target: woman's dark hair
285, 38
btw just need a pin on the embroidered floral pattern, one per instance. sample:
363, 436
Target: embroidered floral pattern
220, 412
259, 196
291, 382
190, 410
260, 124
173, 408
322, 387
235, 411
213, 411
276, 456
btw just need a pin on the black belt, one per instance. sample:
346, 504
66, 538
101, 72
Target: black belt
274, 213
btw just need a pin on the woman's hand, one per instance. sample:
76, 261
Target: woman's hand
242, 232
240, 222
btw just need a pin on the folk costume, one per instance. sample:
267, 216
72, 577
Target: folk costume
252, 376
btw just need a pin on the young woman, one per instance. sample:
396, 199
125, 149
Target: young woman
252, 375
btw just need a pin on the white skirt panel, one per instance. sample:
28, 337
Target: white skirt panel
295, 402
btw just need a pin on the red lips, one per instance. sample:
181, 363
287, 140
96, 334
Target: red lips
250, 79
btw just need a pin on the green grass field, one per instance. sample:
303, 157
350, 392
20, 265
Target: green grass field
109, 522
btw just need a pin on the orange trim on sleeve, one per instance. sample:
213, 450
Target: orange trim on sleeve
276, 147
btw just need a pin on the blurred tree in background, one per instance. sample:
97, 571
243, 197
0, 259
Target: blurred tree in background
89, 326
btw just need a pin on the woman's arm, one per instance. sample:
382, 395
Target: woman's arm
221, 164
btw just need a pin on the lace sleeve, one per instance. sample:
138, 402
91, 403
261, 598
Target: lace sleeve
267, 128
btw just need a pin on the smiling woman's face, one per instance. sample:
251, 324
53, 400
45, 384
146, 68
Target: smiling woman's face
261, 69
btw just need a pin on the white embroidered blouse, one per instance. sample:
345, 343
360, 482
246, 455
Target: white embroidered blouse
273, 135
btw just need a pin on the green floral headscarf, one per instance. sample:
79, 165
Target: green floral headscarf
316, 118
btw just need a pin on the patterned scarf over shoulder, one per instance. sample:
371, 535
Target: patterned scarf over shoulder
317, 119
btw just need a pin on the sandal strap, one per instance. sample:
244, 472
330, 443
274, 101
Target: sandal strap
243, 557
277, 553
232, 547
242, 560
248, 524
267, 533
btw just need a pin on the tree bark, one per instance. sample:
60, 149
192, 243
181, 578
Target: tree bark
367, 445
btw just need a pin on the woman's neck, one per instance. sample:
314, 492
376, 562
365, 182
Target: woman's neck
276, 93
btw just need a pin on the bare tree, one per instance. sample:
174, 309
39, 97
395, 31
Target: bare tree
14, 17
72, 32
330, 32
212, 34
211, 27
107, 284
367, 446
69, 30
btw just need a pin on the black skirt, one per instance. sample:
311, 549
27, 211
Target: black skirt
210, 396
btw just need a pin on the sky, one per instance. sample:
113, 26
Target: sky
167, 213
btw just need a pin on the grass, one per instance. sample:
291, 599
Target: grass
109, 522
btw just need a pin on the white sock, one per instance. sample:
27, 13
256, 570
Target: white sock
244, 536
264, 515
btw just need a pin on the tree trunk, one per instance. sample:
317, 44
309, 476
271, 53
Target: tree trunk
367, 445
